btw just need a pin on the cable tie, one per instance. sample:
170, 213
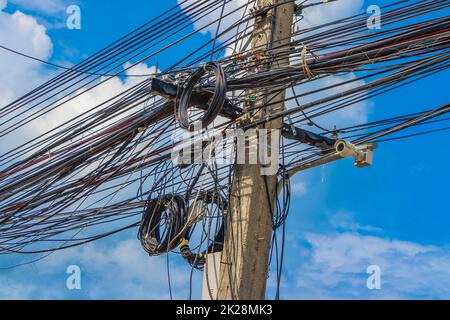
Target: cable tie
183, 243
306, 70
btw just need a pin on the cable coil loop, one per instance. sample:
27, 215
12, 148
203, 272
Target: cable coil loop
217, 101
162, 224
198, 260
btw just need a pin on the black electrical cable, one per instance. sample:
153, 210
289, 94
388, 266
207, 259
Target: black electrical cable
217, 101
168, 212
203, 200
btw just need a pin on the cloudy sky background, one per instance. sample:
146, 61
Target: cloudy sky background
343, 220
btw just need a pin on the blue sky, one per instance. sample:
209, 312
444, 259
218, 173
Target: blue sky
393, 214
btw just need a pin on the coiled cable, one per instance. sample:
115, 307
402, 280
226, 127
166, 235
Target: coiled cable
217, 101
198, 260
162, 224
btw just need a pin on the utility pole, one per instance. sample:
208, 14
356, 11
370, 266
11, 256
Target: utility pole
244, 262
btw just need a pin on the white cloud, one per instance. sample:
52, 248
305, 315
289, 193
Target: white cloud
23, 33
346, 221
329, 12
115, 269
123, 271
331, 266
298, 189
90, 99
335, 265
15, 291
45, 6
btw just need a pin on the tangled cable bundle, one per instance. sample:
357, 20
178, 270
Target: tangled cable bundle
217, 101
166, 212
199, 211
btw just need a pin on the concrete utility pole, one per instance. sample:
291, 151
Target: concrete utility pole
244, 262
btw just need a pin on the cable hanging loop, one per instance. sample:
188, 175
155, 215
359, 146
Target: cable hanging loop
162, 223
198, 260
217, 101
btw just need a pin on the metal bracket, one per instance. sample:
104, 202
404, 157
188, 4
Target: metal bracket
298, 11
313, 139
